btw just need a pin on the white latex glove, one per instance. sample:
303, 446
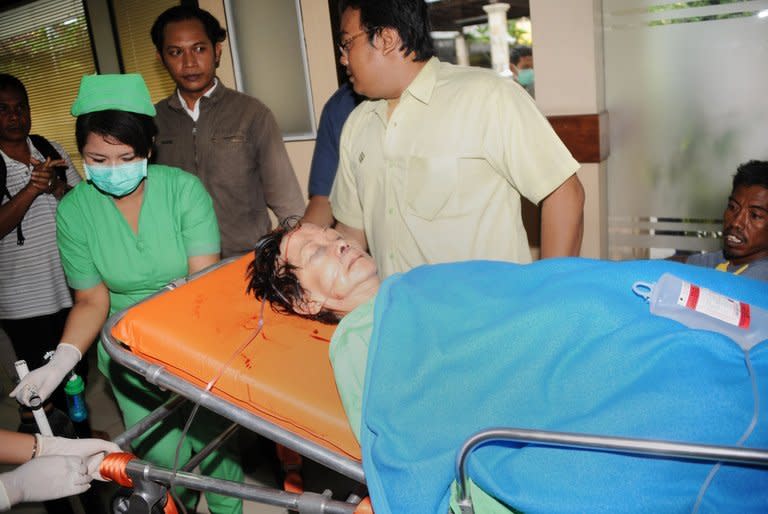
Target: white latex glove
45, 379
92, 451
46, 478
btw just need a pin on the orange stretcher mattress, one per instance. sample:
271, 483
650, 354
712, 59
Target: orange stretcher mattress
283, 375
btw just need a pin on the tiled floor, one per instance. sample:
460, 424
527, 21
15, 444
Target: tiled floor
105, 416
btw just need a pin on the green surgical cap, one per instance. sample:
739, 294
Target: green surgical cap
125, 92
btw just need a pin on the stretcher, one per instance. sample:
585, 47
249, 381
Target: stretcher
204, 339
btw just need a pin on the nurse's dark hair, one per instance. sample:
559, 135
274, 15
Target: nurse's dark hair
272, 279
135, 130
213, 29
408, 17
751, 173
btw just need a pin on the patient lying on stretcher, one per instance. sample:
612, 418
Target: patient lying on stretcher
314, 273
429, 357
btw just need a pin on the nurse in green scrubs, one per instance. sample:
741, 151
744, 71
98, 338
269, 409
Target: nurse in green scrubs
123, 234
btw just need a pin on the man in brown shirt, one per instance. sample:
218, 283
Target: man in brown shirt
228, 139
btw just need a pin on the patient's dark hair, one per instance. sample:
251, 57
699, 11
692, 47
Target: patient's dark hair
752, 173
272, 279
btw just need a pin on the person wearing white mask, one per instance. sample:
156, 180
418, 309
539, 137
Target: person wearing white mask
132, 228
522, 67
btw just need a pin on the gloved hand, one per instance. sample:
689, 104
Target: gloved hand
45, 379
92, 451
46, 478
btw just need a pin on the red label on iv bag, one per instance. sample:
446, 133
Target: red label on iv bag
714, 305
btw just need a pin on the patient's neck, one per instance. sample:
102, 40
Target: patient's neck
358, 298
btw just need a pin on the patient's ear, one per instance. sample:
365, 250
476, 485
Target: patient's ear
307, 307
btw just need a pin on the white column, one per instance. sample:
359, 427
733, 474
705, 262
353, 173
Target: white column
497, 25
462, 52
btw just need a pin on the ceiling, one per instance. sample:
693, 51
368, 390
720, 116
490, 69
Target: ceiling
453, 14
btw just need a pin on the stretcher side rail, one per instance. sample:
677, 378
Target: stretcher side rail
166, 409
144, 475
569, 440
161, 377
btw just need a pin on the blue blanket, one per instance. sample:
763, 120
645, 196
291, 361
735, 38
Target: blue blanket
560, 345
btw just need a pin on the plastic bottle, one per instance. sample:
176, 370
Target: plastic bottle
74, 390
698, 307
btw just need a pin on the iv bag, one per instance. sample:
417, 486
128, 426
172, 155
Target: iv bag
698, 307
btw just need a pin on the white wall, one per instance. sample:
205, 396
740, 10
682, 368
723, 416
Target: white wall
568, 52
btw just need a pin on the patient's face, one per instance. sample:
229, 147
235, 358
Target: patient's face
336, 275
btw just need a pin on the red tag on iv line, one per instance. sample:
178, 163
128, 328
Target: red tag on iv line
712, 304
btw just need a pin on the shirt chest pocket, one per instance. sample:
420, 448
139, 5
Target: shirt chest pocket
431, 187
442, 187
230, 151
232, 140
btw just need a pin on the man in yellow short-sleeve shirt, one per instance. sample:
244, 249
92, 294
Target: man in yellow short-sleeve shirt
433, 168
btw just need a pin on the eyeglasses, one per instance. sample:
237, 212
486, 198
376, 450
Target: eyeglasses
344, 45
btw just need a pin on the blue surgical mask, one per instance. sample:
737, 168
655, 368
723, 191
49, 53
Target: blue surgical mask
117, 180
525, 77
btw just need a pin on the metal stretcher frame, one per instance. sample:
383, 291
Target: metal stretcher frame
321, 503
626, 445
185, 391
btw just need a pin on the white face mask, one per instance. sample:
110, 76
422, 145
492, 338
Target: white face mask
119, 180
